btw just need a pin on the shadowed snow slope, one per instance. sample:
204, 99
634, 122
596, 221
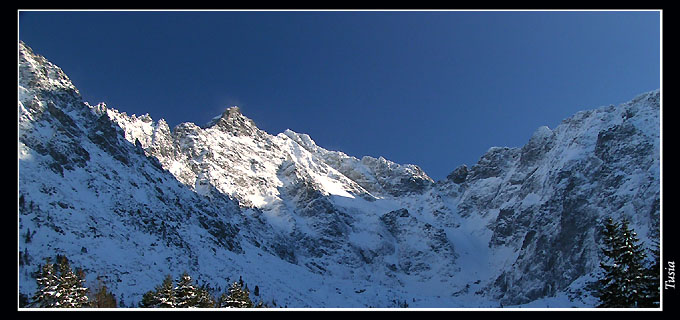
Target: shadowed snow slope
129, 199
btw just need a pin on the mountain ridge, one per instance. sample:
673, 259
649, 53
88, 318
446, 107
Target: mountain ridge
319, 228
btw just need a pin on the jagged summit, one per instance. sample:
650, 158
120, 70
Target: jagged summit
38, 73
231, 113
233, 121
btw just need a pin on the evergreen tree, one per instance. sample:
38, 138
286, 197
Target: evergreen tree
222, 301
165, 294
625, 280
186, 294
238, 297
45, 296
71, 291
60, 287
637, 275
149, 300
204, 299
653, 287
608, 286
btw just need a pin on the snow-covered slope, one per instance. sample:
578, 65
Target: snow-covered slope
85, 192
542, 204
131, 199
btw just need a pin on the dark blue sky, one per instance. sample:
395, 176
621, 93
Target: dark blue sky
436, 89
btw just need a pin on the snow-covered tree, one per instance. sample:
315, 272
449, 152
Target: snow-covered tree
165, 294
204, 299
238, 297
625, 280
45, 296
609, 286
653, 293
186, 294
60, 287
71, 290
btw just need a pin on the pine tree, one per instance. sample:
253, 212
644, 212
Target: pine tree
60, 287
222, 301
625, 280
71, 291
149, 300
165, 294
45, 296
653, 285
238, 297
637, 276
609, 286
186, 294
204, 299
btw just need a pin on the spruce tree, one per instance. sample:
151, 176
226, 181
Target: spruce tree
149, 300
60, 287
609, 285
238, 297
637, 276
47, 279
625, 280
653, 285
204, 299
165, 294
71, 291
222, 301
186, 294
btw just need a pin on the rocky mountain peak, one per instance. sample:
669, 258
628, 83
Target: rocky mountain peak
234, 122
44, 78
232, 112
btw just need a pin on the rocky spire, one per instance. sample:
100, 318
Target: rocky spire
234, 122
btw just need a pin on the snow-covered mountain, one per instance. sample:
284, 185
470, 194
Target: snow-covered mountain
130, 199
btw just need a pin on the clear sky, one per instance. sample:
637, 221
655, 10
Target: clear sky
435, 89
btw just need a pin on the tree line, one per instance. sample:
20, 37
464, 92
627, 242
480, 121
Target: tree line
59, 286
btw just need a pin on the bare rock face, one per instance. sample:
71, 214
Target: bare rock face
459, 175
